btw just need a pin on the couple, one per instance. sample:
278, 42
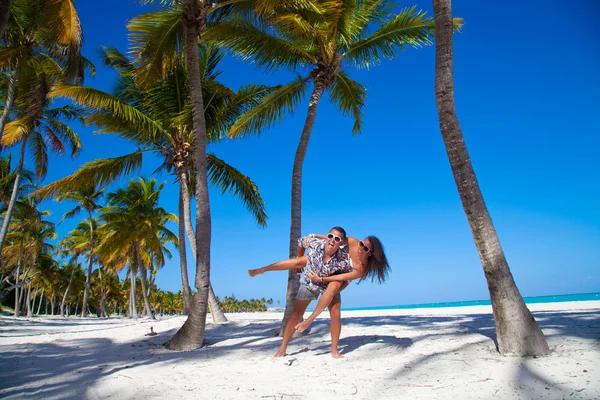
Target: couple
329, 267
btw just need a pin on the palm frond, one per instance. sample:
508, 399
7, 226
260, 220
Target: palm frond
147, 129
70, 214
40, 155
358, 14
65, 134
271, 110
252, 43
349, 96
99, 173
156, 41
11, 56
230, 180
409, 28
15, 131
63, 20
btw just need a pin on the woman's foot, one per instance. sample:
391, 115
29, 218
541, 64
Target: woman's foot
336, 354
280, 353
254, 272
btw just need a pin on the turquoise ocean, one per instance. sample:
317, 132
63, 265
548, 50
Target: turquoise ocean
528, 300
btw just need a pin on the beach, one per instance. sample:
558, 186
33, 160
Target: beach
435, 353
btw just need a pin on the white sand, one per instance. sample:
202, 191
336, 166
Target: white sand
390, 354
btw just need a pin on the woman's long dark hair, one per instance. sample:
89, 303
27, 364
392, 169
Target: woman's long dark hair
377, 266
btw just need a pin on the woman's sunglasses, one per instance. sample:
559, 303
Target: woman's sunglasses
332, 236
361, 244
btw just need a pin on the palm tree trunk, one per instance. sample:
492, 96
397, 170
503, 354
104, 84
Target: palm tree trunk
88, 279
102, 305
35, 293
191, 334
215, 309
296, 219
13, 196
185, 284
142, 270
4, 13
516, 330
17, 290
41, 299
10, 96
132, 310
62, 304
29, 308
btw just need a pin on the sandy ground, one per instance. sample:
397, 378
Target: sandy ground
390, 354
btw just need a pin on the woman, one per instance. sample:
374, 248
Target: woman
368, 261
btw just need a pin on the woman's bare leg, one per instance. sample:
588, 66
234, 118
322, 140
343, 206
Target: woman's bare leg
299, 308
332, 289
291, 263
335, 314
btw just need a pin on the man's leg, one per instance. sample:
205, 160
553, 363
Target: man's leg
297, 313
335, 314
291, 263
333, 288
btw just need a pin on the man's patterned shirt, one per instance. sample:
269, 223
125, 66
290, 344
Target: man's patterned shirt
339, 262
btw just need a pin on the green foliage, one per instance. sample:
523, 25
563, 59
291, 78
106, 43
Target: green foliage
232, 304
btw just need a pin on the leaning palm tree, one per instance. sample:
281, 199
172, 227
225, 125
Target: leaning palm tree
136, 226
516, 330
156, 119
348, 33
38, 125
86, 197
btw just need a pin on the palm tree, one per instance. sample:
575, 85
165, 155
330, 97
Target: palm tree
516, 330
87, 197
41, 33
26, 239
323, 45
136, 225
39, 125
156, 119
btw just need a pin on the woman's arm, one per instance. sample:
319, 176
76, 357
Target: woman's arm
348, 276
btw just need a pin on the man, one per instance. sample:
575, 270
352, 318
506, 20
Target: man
324, 258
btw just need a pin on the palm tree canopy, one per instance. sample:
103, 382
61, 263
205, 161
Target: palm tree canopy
347, 33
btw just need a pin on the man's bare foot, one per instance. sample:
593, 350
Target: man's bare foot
302, 326
254, 272
336, 354
280, 353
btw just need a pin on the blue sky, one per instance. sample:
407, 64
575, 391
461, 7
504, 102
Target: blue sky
526, 87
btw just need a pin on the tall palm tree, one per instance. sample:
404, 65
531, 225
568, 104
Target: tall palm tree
516, 330
137, 225
357, 33
86, 197
156, 119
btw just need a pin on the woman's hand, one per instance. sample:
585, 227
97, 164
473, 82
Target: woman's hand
314, 277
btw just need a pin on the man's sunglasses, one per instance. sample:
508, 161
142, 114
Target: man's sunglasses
361, 244
332, 236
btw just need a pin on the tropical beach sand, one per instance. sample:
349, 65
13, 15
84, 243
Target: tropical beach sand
441, 353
